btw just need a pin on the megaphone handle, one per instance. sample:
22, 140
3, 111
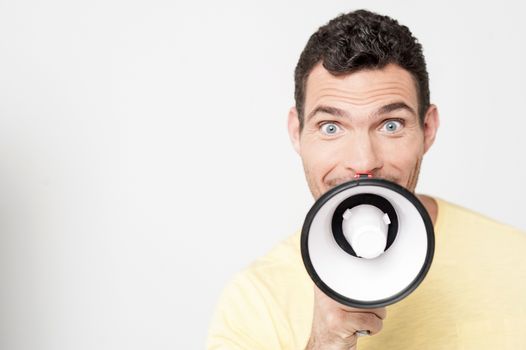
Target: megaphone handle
363, 333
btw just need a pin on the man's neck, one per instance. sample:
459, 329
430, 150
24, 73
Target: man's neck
431, 206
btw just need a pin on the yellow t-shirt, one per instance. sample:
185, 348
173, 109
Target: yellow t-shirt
474, 296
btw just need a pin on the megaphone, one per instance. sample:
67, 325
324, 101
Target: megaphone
367, 243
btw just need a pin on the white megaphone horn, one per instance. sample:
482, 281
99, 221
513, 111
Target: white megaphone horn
367, 243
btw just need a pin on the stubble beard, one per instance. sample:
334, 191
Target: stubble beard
413, 176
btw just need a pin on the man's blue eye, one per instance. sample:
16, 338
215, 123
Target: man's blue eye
330, 128
392, 126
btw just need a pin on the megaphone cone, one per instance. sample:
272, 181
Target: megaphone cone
367, 243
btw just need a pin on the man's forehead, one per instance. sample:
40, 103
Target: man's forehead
361, 87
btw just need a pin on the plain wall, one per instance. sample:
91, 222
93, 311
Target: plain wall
144, 157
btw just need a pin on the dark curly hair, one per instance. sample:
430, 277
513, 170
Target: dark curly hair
361, 40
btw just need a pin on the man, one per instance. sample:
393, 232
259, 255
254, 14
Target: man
363, 106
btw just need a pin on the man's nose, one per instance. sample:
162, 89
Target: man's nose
361, 155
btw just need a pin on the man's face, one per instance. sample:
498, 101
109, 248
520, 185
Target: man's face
361, 122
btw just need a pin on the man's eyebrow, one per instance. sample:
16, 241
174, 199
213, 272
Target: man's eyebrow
393, 107
328, 110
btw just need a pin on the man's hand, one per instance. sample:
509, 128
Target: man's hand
334, 325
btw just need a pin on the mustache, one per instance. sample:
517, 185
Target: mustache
340, 180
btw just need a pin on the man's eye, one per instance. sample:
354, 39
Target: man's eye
330, 129
392, 126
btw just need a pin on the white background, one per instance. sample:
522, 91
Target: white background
144, 157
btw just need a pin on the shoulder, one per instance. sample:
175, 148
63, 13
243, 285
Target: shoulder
479, 270
284, 257
275, 273
266, 304
452, 218
472, 249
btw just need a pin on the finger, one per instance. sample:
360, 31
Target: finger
327, 301
381, 313
363, 321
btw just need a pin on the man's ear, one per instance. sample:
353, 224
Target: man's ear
294, 129
431, 124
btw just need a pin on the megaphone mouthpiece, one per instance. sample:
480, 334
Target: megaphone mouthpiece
365, 228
